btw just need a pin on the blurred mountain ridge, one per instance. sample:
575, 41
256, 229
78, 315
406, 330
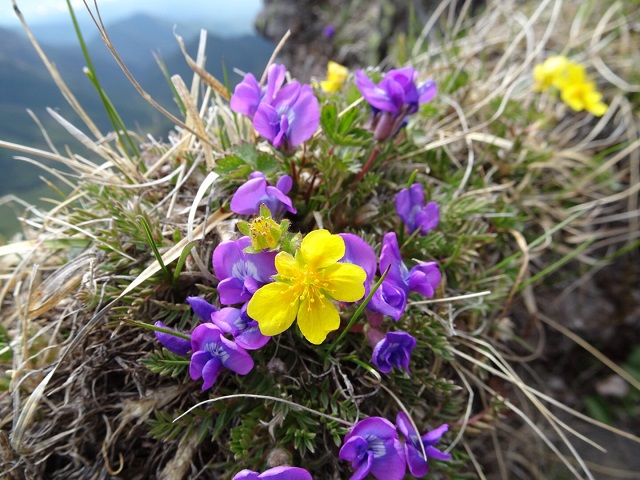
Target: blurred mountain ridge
26, 84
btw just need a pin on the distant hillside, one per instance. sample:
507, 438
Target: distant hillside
25, 83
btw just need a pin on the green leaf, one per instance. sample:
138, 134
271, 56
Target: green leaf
329, 118
266, 163
228, 164
183, 258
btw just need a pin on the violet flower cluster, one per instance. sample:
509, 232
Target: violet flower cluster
374, 447
414, 213
240, 275
393, 99
285, 115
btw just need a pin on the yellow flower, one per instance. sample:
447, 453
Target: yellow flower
305, 288
549, 73
580, 93
336, 76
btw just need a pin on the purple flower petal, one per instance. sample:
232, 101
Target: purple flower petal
427, 91
276, 473
177, 345
234, 358
372, 446
203, 334
275, 78
284, 184
246, 96
304, 117
424, 278
393, 99
418, 464
226, 319
359, 252
249, 196
246, 475
374, 95
241, 274
210, 372
198, 361
390, 299
201, 308
428, 217
391, 465
267, 121
433, 452
393, 351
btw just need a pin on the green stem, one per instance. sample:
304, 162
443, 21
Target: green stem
357, 313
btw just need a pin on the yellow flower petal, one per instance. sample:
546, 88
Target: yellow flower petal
286, 265
319, 249
317, 317
274, 306
335, 71
345, 282
549, 72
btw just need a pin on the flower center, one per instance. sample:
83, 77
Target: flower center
262, 233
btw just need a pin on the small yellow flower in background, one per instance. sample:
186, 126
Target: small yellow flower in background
577, 90
336, 76
306, 286
549, 73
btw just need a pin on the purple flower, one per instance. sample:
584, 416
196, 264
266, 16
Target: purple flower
358, 252
328, 31
292, 117
394, 350
201, 308
256, 191
174, 344
277, 473
393, 99
414, 213
248, 93
212, 351
418, 465
372, 446
241, 274
391, 297
244, 329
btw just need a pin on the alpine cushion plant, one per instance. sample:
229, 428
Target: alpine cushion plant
256, 191
393, 99
410, 206
372, 446
212, 352
414, 443
240, 273
306, 286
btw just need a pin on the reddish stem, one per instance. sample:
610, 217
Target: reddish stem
367, 165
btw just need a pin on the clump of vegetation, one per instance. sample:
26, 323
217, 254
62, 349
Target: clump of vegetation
456, 188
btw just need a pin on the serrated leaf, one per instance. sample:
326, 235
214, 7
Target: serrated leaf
266, 163
228, 164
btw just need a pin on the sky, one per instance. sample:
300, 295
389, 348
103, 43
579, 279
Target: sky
52, 11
